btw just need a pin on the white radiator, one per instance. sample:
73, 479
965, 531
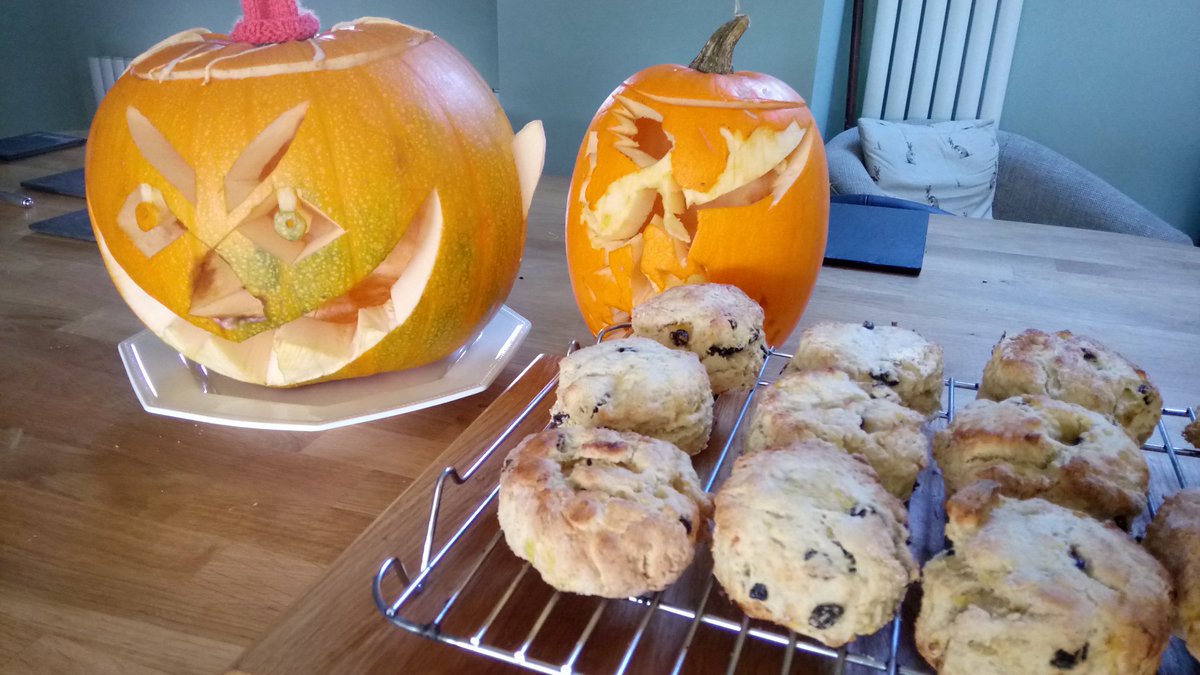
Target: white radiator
940, 59
105, 71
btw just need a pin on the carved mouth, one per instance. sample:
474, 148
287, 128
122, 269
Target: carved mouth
324, 340
646, 222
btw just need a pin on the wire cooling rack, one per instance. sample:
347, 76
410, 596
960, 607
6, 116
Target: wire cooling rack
474, 594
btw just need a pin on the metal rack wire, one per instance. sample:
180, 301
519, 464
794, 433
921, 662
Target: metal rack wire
696, 614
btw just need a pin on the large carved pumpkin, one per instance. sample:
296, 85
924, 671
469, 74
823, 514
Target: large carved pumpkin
695, 174
316, 209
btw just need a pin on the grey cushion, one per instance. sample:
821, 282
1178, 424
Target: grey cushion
1035, 185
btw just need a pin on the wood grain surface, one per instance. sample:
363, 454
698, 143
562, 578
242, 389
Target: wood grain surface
140, 544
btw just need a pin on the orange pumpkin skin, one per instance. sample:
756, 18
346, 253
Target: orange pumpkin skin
770, 246
390, 147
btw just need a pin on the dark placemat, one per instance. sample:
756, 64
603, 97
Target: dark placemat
69, 183
876, 238
36, 143
75, 225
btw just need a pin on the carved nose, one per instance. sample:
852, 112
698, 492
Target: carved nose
218, 294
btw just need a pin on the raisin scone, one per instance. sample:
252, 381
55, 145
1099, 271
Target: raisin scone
1174, 538
828, 405
1035, 446
883, 358
718, 322
807, 538
1034, 588
638, 385
1076, 369
602, 512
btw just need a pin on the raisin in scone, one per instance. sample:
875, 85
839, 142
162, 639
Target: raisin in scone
828, 405
882, 358
638, 385
602, 512
806, 537
1174, 538
718, 322
1035, 446
1076, 369
1033, 588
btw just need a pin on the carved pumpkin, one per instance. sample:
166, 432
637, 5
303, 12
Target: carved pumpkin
699, 174
316, 209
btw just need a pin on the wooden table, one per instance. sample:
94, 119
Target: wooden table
140, 544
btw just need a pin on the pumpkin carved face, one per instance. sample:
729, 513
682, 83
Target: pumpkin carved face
328, 208
687, 176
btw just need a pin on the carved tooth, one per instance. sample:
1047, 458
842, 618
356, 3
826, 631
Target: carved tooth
217, 293
792, 167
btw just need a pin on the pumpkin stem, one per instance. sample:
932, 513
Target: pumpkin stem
717, 55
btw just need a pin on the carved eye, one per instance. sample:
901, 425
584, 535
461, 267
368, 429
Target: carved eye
288, 227
147, 220
283, 224
640, 134
145, 217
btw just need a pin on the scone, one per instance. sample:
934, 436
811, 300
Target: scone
602, 512
1035, 446
637, 385
807, 538
718, 322
1033, 588
1076, 369
828, 405
1174, 538
1191, 433
882, 358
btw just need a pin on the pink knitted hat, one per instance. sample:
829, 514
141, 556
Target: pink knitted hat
268, 21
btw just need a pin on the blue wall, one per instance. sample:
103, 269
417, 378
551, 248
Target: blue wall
559, 59
44, 45
1115, 86
828, 101
38, 89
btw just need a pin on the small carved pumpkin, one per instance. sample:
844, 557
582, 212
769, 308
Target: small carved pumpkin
315, 209
699, 174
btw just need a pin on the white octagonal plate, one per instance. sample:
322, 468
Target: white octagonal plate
167, 383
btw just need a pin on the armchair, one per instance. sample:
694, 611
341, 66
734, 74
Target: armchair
1034, 184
